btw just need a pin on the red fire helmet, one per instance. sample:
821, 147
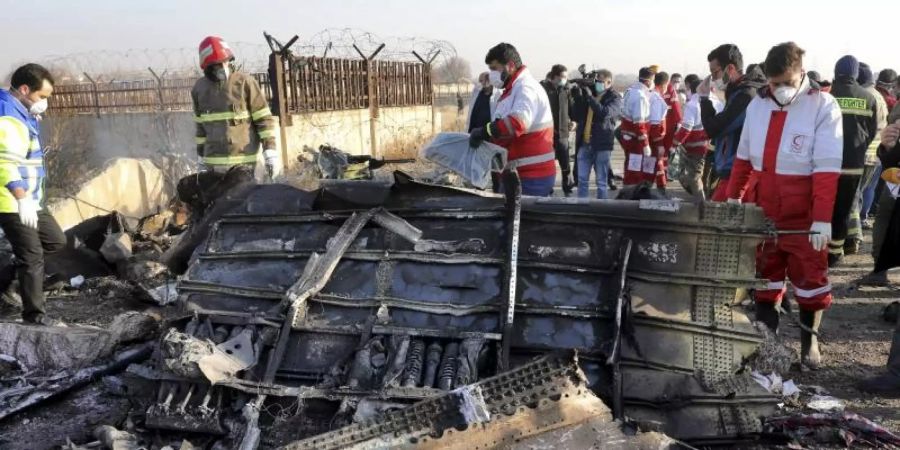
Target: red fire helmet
214, 50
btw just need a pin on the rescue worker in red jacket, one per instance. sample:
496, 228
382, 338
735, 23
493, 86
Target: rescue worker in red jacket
674, 116
788, 162
658, 131
634, 132
693, 139
522, 122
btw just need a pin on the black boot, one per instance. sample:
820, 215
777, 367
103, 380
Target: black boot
875, 279
767, 314
567, 182
809, 342
888, 384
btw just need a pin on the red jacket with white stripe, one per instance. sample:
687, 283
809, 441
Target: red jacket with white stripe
635, 126
524, 126
789, 159
658, 111
674, 115
690, 132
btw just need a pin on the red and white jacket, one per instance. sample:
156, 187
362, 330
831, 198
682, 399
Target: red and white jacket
658, 111
524, 126
690, 132
789, 159
635, 126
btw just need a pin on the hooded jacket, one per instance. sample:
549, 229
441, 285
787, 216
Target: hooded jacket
725, 127
604, 120
560, 104
859, 110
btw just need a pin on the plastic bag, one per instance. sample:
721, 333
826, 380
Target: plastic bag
117, 245
676, 164
452, 151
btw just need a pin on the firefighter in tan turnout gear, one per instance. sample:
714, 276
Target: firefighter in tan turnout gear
232, 115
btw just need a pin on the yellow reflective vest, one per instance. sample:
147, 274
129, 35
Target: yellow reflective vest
233, 119
21, 155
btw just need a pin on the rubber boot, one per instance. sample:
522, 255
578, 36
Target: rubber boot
888, 384
809, 343
567, 182
851, 247
767, 314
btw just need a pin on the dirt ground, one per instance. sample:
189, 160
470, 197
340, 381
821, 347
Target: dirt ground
855, 340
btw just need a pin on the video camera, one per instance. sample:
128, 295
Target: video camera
587, 81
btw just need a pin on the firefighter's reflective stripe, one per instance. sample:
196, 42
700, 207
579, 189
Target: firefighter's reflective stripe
261, 114
265, 134
200, 140
854, 106
850, 171
221, 116
229, 160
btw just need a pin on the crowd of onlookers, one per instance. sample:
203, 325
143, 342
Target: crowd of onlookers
819, 157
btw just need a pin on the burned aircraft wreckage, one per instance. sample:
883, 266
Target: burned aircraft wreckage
360, 298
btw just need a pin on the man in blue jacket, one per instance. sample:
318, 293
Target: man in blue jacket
598, 109
726, 67
30, 229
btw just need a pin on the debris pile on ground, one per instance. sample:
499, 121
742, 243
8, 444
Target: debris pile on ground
367, 314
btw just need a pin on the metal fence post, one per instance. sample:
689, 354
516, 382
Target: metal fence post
430, 87
372, 83
279, 99
96, 94
159, 91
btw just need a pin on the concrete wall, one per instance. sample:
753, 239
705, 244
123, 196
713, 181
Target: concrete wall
134, 187
399, 131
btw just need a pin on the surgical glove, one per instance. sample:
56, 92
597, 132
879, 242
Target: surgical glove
820, 235
647, 151
477, 137
273, 163
28, 213
734, 201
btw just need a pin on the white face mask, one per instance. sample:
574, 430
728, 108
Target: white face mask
223, 73
38, 107
496, 79
720, 84
785, 95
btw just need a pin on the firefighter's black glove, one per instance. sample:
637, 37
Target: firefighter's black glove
477, 137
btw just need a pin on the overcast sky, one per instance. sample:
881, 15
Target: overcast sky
610, 34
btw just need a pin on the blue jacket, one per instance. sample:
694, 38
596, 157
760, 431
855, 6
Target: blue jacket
724, 128
21, 155
607, 112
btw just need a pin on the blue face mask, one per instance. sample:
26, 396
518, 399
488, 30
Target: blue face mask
599, 87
